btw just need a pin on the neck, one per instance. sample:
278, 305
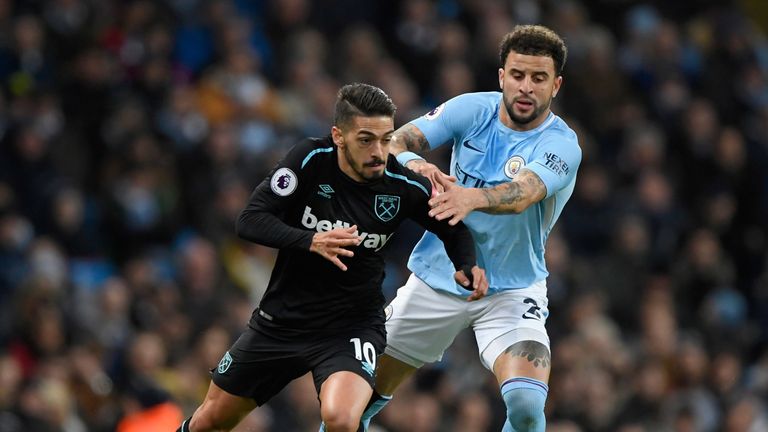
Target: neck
507, 121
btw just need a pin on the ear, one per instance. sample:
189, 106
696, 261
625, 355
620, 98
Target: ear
501, 78
338, 137
558, 83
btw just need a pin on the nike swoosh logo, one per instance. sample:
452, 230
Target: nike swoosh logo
468, 144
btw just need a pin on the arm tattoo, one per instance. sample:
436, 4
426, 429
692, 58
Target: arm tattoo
533, 351
410, 138
515, 196
508, 194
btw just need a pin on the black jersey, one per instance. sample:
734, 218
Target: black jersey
308, 193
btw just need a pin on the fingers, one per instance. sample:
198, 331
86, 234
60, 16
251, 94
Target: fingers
438, 179
332, 245
437, 200
444, 181
475, 296
480, 283
342, 252
340, 242
443, 212
343, 236
461, 279
337, 262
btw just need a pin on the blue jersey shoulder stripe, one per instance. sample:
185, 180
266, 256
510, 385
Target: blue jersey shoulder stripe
407, 180
314, 152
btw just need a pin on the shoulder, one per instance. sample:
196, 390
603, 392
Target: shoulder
409, 180
559, 132
463, 111
475, 102
310, 150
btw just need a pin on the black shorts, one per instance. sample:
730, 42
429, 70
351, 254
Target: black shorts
263, 361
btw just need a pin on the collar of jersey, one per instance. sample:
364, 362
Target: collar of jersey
548, 121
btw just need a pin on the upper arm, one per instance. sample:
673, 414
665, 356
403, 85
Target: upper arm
451, 120
553, 168
409, 138
555, 164
281, 186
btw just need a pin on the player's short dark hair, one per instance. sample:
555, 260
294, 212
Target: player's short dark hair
535, 40
360, 99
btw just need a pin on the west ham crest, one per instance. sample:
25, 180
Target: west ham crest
386, 207
225, 363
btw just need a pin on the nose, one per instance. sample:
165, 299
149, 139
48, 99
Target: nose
526, 85
377, 149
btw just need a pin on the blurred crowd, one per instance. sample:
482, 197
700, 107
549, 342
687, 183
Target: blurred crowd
132, 132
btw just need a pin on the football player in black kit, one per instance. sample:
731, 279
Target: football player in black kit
330, 206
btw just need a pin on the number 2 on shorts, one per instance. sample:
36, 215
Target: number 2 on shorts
533, 311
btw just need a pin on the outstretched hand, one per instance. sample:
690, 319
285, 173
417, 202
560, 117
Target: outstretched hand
439, 179
332, 244
474, 280
455, 203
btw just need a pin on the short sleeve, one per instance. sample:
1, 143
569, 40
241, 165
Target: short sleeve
450, 120
556, 162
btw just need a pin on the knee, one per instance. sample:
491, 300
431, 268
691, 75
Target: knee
339, 420
525, 407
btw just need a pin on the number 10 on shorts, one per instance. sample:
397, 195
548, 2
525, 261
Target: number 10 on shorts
366, 350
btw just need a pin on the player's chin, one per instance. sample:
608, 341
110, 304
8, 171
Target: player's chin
524, 119
374, 172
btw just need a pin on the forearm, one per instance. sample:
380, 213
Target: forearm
267, 229
457, 240
513, 197
460, 247
503, 199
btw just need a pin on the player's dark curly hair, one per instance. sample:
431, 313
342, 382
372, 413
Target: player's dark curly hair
534, 40
360, 99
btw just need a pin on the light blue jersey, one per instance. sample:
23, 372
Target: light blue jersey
485, 154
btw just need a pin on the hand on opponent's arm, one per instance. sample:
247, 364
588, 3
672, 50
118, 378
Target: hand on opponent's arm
511, 197
473, 277
410, 139
332, 244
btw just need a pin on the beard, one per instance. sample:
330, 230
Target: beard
509, 105
359, 168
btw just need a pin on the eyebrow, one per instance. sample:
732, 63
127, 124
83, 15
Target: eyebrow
540, 72
369, 133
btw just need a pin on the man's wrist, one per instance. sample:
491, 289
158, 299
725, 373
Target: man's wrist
480, 199
404, 157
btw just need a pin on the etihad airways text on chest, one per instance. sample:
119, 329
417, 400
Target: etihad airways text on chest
370, 240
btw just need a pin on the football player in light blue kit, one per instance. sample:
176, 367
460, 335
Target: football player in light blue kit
514, 165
